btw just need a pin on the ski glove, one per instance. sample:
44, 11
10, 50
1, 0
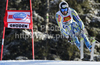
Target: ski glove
82, 31
64, 33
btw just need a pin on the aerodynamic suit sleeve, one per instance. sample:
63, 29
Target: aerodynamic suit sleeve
77, 19
58, 20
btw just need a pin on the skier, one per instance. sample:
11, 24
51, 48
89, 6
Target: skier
71, 25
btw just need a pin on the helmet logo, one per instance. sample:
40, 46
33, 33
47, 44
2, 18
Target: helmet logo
64, 6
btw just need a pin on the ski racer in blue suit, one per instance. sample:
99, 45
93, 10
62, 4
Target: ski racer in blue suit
70, 24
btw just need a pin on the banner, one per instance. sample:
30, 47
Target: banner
18, 19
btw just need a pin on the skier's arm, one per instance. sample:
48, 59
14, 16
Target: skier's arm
77, 19
58, 20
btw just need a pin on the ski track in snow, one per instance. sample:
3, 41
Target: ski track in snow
47, 62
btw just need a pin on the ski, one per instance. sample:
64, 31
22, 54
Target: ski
81, 48
92, 50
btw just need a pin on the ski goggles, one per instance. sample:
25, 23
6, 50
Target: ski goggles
66, 9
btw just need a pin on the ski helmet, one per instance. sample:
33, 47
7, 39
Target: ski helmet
63, 4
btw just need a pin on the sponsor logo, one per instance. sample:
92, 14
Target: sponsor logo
19, 16
66, 19
59, 18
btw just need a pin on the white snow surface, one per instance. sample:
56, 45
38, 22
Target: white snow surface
47, 62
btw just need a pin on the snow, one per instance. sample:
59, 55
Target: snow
47, 62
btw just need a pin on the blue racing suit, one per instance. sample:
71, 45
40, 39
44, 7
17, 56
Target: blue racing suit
70, 25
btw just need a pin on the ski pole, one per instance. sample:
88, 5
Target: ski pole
32, 45
32, 31
2, 43
92, 52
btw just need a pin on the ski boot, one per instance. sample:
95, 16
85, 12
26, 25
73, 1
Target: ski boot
88, 46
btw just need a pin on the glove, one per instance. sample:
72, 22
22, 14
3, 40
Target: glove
63, 31
70, 40
82, 31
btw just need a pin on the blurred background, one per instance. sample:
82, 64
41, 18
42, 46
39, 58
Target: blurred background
48, 41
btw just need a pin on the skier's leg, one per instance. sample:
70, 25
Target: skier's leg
75, 38
77, 42
87, 43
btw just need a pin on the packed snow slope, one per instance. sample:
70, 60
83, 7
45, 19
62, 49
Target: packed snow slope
47, 62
